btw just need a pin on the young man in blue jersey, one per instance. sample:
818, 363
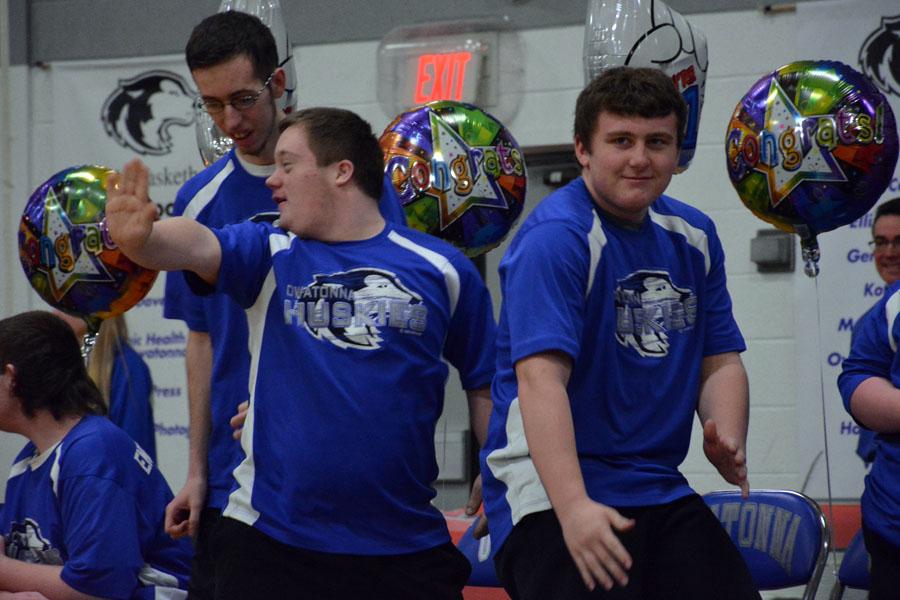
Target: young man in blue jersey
351, 321
234, 62
233, 59
868, 384
84, 505
616, 328
886, 251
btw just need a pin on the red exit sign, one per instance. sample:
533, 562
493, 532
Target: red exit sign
441, 76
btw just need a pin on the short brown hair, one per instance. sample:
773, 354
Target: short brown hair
222, 36
336, 134
642, 92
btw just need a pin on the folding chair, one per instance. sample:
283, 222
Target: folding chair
854, 571
781, 534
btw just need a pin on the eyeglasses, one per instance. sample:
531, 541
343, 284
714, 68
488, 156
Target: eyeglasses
214, 106
880, 244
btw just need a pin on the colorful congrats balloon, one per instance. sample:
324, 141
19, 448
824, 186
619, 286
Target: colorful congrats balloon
811, 147
647, 33
458, 173
66, 251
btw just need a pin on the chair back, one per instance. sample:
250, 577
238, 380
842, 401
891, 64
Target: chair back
854, 571
781, 534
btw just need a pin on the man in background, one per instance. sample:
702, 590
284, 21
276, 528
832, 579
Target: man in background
233, 59
868, 385
886, 249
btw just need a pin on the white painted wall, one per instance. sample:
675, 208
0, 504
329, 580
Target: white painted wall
743, 46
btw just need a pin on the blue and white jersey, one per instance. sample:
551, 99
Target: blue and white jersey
637, 310
348, 344
95, 503
873, 353
228, 191
130, 388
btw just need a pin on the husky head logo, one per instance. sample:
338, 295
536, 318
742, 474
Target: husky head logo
26, 543
360, 302
879, 56
649, 307
140, 112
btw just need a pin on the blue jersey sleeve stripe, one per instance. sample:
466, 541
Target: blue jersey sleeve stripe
596, 242
279, 242
54, 471
892, 309
19, 467
202, 198
696, 237
441, 263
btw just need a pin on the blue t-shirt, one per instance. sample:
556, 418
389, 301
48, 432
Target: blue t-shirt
348, 346
637, 310
873, 353
95, 503
228, 191
130, 388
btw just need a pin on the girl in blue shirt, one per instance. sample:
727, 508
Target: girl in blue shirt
84, 506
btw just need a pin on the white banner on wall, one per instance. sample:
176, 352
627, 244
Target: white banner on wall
107, 112
848, 284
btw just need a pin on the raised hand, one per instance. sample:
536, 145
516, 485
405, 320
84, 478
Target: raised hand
129, 212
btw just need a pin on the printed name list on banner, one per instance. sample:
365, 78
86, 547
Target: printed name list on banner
862, 34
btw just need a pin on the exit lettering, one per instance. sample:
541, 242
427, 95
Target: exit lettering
441, 76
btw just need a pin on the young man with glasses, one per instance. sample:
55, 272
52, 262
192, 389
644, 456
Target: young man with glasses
868, 384
886, 240
885, 246
234, 62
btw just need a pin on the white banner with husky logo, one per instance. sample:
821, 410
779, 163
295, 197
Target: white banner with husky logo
866, 36
105, 113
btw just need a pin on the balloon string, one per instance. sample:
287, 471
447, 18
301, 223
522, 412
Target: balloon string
834, 565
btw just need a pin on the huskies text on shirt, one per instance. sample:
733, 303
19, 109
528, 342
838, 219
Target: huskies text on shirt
229, 191
637, 310
348, 343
